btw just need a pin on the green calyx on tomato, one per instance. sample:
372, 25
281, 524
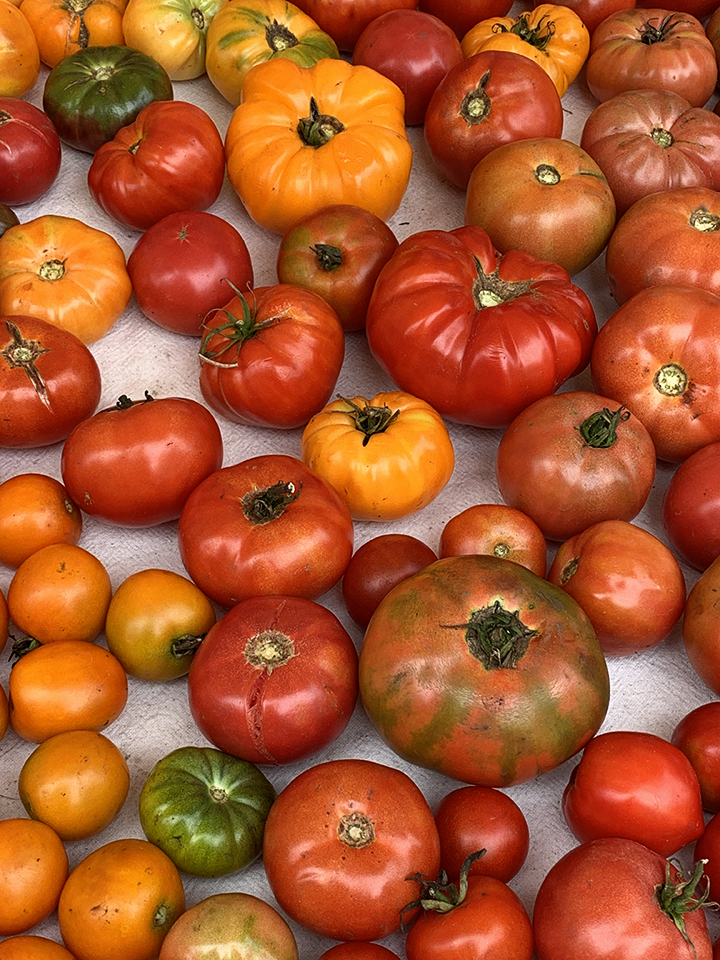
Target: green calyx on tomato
496, 637
328, 256
650, 34
279, 37
599, 430
538, 36
677, 899
262, 506
23, 353
235, 331
371, 419
490, 290
440, 895
318, 128
476, 104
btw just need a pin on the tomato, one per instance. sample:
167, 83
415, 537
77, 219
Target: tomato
94, 93
495, 713
593, 12
60, 592
614, 897
647, 141
31, 947
19, 53
249, 32
626, 580
66, 272
76, 782
388, 456
33, 869
637, 786
707, 848
358, 950
174, 34
345, 20
206, 810
275, 680
230, 921
355, 827
168, 160
31, 153
462, 16
306, 137
271, 357
545, 196
498, 530
35, 511
651, 49
413, 49
4, 713
63, 28
448, 313
337, 252
122, 898
155, 622
8, 218
698, 8
691, 508
4, 621
266, 525
136, 463
376, 567
476, 818
658, 354
87, 689
491, 98
701, 626
181, 266
574, 459
697, 734
49, 382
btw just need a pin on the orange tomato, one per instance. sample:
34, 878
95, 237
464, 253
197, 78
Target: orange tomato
120, 902
62, 28
61, 592
33, 870
4, 712
67, 685
19, 54
4, 621
76, 782
31, 947
35, 511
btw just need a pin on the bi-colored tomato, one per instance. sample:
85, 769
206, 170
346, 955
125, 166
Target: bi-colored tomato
63, 28
172, 33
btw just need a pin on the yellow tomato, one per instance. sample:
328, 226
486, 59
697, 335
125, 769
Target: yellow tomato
63, 27
19, 53
173, 32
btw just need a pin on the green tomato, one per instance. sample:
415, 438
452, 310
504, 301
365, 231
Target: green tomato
206, 810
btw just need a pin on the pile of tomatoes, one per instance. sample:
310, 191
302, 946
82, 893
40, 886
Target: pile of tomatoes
217, 682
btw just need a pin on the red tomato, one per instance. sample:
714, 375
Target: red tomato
413, 49
698, 736
708, 848
376, 567
171, 158
593, 12
698, 8
357, 828
616, 898
462, 16
136, 463
181, 268
691, 507
475, 818
345, 20
271, 357
498, 530
637, 786
477, 335
574, 459
274, 681
489, 99
30, 151
267, 525
49, 382
701, 627
358, 950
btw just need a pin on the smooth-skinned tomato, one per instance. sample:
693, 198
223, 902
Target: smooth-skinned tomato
701, 626
697, 734
707, 849
691, 507
35, 511
174, 34
498, 530
19, 53
4, 621
31, 154
593, 12
462, 16
4, 712
33, 870
345, 20
31, 947
358, 950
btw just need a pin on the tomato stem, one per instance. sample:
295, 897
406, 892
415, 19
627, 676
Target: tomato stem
24, 353
356, 830
599, 430
22, 646
538, 36
187, 644
496, 637
328, 256
476, 104
235, 331
279, 38
677, 899
489, 290
262, 506
369, 419
704, 221
440, 895
318, 128
650, 34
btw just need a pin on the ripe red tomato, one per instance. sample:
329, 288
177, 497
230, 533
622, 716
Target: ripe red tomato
30, 151
701, 626
708, 848
498, 530
345, 20
462, 16
698, 736
691, 507
182, 267
357, 950
593, 12
274, 681
136, 463
637, 786
365, 828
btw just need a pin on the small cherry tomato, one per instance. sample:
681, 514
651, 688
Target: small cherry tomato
498, 530
35, 511
698, 736
33, 870
30, 152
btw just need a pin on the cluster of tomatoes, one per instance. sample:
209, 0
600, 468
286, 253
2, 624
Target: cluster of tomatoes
261, 611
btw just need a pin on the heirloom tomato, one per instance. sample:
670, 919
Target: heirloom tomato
172, 32
31, 947
266, 525
275, 680
659, 355
497, 530
701, 9
697, 734
337, 252
19, 53
707, 851
651, 49
35, 511
305, 137
495, 713
66, 272
246, 33
593, 12
31, 152
345, 20
358, 950
136, 463
491, 98
691, 507
49, 382
701, 626
206, 810
271, 357
62, 28
387, 457
462, 16
33, 869
617, 898
476, 334
181, 266
168, 160
358, 828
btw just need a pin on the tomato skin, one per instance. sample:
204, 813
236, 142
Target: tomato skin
4, 712
593, 12
136, 463
691, 508
62, 29
530, 728
33, 869
181, 268
35, 511
4, 621
358, 950
701, 626
462, 16
19, 53
498, 530
345, 20
708, 848
31, 155
359, 828
637, 786
274, 681
698, 736
31, 947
